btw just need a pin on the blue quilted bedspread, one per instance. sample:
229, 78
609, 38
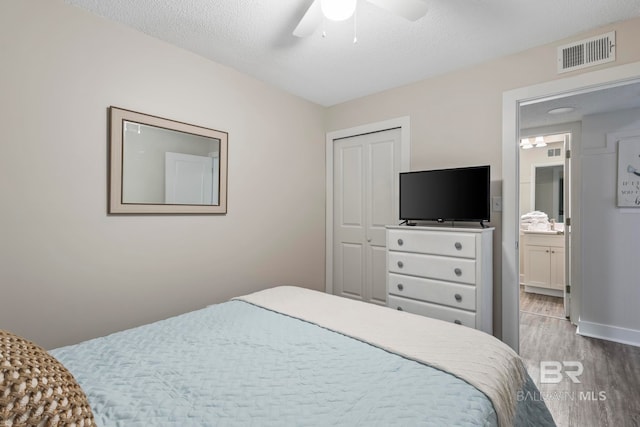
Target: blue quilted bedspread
238, 364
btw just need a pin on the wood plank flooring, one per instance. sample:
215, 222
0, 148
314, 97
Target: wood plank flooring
608, 394
541, 304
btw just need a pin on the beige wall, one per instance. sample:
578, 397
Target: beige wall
69, 271
456, 119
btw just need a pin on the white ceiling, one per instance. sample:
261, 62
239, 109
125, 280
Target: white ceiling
254, 37
605, 100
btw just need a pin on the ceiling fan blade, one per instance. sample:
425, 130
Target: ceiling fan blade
310, 20
409, 9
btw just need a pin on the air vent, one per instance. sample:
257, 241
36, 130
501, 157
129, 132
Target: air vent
554, 152
587, 52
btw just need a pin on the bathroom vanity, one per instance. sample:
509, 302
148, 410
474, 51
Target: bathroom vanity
544, 262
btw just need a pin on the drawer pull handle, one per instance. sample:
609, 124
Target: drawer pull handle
458, 245
400, 264
457, 322
400, 286
400, 242
399, 309
458, 272
458, 297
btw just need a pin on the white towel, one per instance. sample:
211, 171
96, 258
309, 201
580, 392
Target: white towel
534, 215
536, 220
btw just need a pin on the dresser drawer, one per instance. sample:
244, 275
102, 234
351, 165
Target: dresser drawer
451, 294
460, 270
435, 311
438, 243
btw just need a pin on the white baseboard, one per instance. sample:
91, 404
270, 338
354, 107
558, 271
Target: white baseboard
543, 291
608, 332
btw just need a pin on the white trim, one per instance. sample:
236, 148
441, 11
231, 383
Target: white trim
608, 332
404, 123
543, 291
511, 100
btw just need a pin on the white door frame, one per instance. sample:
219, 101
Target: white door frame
404, 123
511, 102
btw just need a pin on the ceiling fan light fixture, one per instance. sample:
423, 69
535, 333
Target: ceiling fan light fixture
338, 10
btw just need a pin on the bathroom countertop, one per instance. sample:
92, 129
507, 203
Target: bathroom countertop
542, 232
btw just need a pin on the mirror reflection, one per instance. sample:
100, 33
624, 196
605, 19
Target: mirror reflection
542, 172
163, 166
549, 191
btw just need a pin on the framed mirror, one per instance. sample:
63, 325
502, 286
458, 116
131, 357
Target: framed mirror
163, 166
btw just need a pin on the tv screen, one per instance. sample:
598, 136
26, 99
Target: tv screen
460, 194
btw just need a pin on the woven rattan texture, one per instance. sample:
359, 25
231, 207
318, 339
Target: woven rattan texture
36, 390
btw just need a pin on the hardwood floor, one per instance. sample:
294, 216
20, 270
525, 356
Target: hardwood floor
541, 304
608, 392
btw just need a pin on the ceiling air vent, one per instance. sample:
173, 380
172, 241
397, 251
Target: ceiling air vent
587, 52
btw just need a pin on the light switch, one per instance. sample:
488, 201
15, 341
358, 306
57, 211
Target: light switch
496, 203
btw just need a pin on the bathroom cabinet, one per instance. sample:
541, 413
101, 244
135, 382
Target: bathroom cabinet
544, 258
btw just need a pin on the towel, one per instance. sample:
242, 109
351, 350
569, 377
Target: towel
536, 220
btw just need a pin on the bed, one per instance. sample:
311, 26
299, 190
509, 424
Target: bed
292, 356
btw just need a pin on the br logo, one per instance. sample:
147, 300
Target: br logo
551, 371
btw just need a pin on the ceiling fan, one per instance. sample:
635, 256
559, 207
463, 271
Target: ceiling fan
339, 10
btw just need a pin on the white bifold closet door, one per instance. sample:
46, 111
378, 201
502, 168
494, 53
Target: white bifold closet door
365, 180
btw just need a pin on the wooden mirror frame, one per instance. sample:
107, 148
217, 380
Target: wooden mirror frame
117, 119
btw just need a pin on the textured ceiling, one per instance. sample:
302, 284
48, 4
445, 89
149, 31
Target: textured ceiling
254, 37
606, 100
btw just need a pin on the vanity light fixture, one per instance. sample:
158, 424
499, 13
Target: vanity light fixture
525, 144
540, 142
338, 10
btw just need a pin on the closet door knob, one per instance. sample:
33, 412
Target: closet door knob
400, 264
400, 242
400, 286
458, 245
458, 297
458, 272
457, 322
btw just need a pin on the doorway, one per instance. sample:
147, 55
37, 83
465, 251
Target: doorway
512, 102
544, 251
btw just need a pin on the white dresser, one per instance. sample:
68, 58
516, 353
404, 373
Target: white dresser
442, 272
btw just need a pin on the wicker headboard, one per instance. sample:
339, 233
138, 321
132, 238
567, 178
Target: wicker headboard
36, 390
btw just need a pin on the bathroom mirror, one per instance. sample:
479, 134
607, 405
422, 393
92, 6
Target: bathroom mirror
159, 165
549, 191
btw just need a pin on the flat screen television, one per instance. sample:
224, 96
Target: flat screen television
459, 194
